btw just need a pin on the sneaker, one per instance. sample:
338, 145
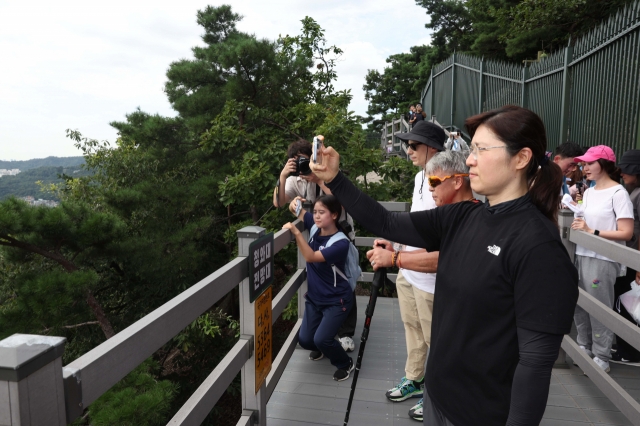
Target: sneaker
316, 355
602, 364
619, 359
343, 374
416, 411
405, 390
588, 352
347, 343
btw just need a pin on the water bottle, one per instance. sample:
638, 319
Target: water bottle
579, 214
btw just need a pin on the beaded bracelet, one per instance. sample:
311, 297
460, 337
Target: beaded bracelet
394, 257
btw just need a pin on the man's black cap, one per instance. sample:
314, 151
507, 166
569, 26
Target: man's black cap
427, 133
630, 162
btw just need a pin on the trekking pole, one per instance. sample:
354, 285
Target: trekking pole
379, 279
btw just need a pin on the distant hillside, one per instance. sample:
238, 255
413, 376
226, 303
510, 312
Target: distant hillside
24, 183
42, 162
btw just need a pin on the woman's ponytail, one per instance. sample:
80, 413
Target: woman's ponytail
545, 183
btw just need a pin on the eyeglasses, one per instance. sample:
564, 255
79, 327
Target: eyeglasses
435, 180
474, 149
413, 146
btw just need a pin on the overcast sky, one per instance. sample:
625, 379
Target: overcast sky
79, 64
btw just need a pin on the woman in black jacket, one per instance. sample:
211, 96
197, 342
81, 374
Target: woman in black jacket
506, 286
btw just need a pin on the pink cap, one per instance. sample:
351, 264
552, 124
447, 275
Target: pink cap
595, 153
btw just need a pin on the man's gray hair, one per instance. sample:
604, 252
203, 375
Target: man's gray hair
447, 162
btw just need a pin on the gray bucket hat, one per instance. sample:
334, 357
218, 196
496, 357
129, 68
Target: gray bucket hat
427, 133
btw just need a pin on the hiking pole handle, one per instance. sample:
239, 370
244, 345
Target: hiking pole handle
379, 279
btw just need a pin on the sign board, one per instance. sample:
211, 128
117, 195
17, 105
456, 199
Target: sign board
263, 337
260, 265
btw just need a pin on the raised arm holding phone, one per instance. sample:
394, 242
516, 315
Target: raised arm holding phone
495, 334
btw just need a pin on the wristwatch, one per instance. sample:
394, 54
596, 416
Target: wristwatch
596, 232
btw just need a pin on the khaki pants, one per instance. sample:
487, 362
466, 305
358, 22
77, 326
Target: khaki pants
416, 310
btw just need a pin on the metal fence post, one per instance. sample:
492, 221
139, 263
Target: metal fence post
251, 401
525, 94
432, 97
566, 92
638, 125
453, 89
480, 86
31, 386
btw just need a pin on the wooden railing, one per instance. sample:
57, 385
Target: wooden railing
614, 322
36, 390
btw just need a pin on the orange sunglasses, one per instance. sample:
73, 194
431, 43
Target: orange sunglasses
435, 180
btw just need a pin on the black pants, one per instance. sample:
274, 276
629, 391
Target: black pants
431, 416
348, 327
622, 286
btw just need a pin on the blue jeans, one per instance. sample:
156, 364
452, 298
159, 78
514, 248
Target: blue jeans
320, 325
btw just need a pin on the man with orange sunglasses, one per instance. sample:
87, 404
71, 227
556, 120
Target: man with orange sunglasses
415, 286
448, 179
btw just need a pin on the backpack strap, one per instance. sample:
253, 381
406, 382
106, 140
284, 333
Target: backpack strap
337, 237
313, 231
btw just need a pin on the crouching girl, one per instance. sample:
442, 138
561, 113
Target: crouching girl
329, 298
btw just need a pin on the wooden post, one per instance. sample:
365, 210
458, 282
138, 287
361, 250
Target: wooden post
565, 217
31, 386
251, 401
304, 287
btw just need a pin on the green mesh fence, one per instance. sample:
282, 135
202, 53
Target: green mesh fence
588, 92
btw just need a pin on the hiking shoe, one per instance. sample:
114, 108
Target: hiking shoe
602, 364
619, 359
405, 390
347, 343
416, 411
316, 355
343, 374
587, 351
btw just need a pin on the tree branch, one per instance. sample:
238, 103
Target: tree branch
61, 260
107, 329
81, 324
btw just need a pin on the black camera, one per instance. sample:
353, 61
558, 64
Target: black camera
302, 167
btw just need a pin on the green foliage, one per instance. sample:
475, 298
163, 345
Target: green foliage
35, 182
54, 255
398, 178
291, 311
211, 324
391, 92
140, 399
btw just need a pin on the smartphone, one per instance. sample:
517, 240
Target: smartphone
298, 207
316, 155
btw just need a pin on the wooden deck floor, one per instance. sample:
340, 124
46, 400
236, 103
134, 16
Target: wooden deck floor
308, 395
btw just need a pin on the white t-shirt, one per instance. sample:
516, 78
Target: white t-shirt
295, 186
602, 209
423, 281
